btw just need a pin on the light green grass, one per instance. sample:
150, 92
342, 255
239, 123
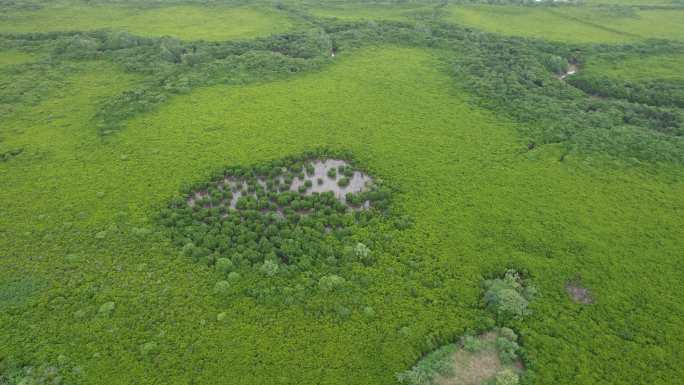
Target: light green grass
185, 22
479, 200
642, 24
535, 22
369, 11
571, 24
10, 57
661, 67
633, 2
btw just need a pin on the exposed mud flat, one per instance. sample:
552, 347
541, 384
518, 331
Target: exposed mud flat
479, 367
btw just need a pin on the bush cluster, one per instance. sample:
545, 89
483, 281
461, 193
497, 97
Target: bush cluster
651, 92
271, 229
13, 372
508, 297
9, 154
440, 362
436, 363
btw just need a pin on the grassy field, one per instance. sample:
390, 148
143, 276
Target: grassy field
478, 203
10, 57
183, 21
572, 24
642, 24
662, 67
353, 11
635, 2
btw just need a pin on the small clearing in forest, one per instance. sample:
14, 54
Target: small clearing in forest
479, 365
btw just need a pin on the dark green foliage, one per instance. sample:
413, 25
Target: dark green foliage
224, 265
330, 283
441, 362
556, 64
275, 232
507, 349
434, 364
506, 377
508, 297
471, 344
651, 92
310, 169
343, 182
18, 292
9, 154
16, 373
222, 288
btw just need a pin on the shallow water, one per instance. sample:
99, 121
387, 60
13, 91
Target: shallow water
358, 182
572, 69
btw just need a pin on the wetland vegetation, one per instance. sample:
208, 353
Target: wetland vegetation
322, 192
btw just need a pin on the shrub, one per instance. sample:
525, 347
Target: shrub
222, 288
233, 276
269, 268
332, 173
305, 232
506, 377
437, 363
472, 344
556, 64
13, 373
507, 350
319, 181
505, 301
354, 199
106, 308
343, 312
149, 348
508, 334
505, 297
404, 222
224, 265
361, 250
330, 283
343, 182
141, 232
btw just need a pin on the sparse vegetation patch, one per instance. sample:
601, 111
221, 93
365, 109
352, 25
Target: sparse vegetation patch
579, 293
488, 359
